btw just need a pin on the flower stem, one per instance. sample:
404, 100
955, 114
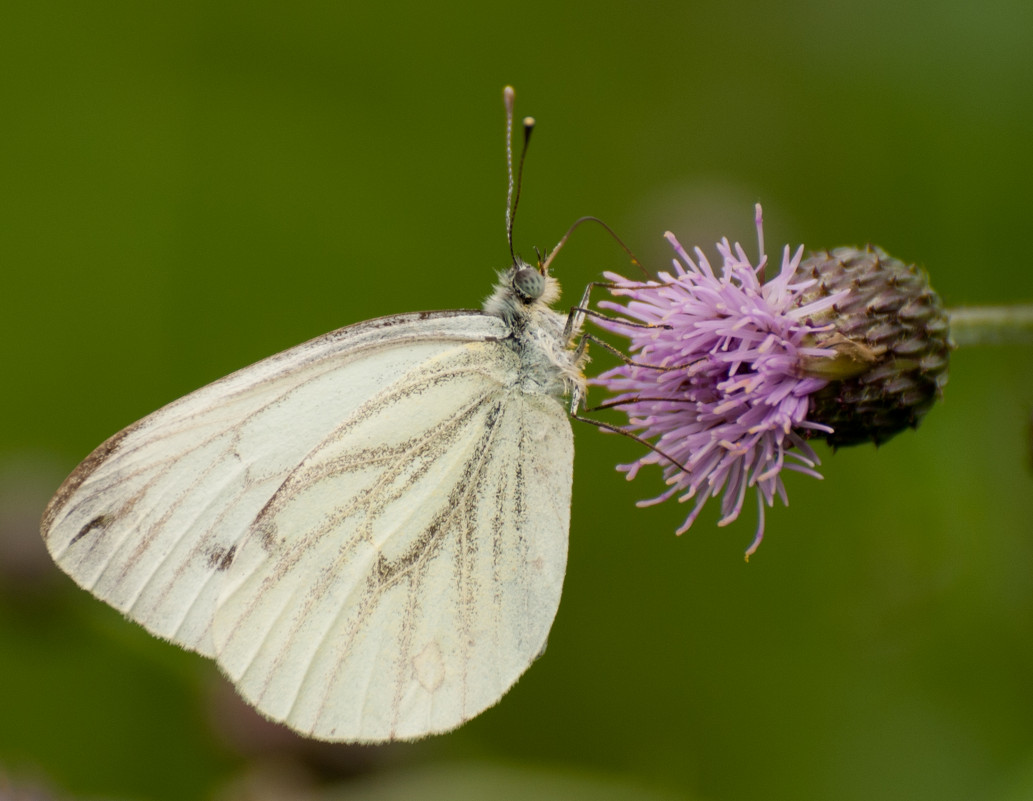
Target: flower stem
992, 325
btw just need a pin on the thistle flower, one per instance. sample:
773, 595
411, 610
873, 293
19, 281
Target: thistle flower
728, 366
897, 333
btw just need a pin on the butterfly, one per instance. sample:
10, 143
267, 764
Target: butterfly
367, 532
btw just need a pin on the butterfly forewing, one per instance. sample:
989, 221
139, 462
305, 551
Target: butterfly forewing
404, 576
152, 520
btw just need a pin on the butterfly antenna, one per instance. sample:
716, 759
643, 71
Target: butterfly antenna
513, 192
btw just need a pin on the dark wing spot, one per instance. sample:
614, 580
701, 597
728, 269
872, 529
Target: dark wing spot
221, 558
99, 522
75, 480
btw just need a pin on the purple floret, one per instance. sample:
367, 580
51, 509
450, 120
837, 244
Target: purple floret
723, 394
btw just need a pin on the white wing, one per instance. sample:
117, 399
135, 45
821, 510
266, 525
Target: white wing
404, 577
309, 521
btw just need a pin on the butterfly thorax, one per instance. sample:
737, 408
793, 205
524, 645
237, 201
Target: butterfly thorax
549, 360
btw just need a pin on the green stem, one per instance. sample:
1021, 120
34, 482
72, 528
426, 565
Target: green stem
992, 325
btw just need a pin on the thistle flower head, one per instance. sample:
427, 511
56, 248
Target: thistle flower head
897, 331
725, 369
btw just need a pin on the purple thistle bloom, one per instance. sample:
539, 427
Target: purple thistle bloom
719, 384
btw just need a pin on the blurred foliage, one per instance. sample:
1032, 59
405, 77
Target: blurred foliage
189, 187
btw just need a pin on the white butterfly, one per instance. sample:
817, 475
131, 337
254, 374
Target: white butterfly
368, 532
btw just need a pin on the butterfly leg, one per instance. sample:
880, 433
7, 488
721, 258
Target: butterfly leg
577, 314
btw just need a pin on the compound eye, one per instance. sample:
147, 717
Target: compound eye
529, 283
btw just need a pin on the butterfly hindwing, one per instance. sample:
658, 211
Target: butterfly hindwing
404, 576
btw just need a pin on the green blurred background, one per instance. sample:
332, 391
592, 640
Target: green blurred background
189, 187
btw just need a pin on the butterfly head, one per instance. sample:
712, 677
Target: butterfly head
528, 283
519, 288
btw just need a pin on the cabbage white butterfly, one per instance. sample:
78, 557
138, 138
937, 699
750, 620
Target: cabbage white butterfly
368, 532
